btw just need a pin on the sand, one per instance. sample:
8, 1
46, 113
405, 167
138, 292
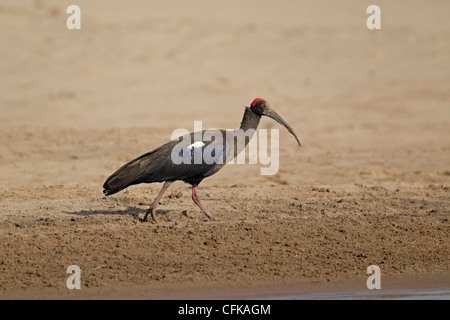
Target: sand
369, 186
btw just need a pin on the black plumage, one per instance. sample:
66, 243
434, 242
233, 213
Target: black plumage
158, 165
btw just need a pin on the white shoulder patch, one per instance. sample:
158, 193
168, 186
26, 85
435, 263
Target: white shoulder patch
197, 144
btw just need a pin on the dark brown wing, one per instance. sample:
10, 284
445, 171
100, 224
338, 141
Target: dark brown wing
158, 165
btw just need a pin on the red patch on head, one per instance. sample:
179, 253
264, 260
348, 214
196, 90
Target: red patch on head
256, 101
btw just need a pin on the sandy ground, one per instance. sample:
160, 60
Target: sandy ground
369, 186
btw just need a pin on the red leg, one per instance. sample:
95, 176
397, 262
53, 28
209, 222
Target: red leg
155, 203
199, 204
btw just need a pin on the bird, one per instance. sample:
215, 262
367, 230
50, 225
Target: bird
163, 163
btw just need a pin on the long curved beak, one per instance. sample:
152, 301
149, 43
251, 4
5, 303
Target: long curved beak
272, 114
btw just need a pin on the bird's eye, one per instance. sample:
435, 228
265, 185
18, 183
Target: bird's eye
262, 105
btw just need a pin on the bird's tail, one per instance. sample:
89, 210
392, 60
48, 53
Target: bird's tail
112, 186
131, 173
119, 180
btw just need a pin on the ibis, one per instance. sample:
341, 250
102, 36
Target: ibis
163, 163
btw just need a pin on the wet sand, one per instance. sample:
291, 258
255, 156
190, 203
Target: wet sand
370, 185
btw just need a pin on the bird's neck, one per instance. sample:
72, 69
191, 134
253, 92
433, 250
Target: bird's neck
242, 136
250, 120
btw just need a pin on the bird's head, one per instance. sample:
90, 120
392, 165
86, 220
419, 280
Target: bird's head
262, 108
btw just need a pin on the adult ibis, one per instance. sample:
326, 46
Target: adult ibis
163, 163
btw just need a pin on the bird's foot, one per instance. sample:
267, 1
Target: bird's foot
149, 211
212, 218
146, 220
